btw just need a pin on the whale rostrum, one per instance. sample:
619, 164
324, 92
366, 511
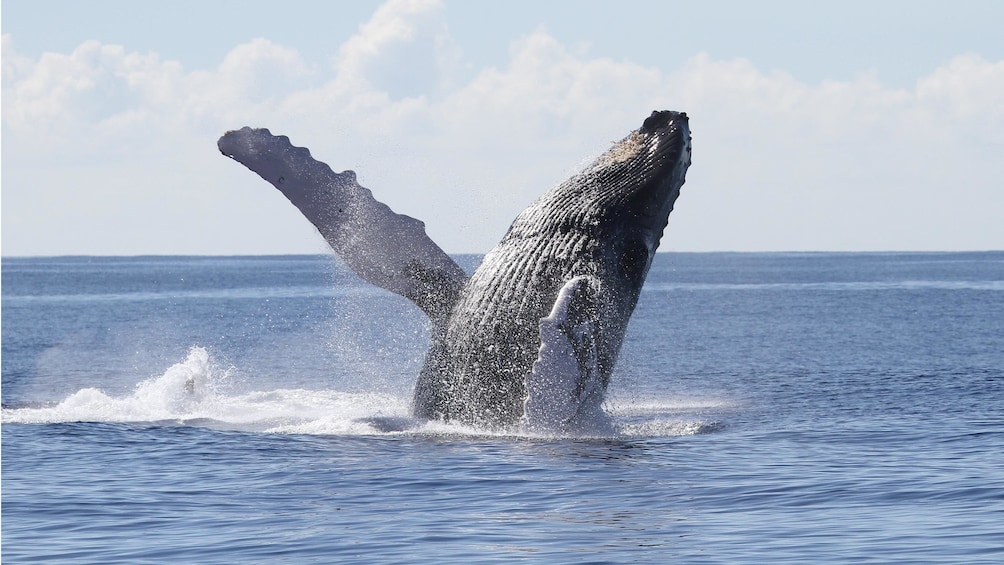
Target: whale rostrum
531, 338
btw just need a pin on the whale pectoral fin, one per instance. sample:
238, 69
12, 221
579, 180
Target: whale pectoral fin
387, 249
564, 390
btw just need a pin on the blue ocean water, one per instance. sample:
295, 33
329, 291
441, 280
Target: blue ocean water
821, 407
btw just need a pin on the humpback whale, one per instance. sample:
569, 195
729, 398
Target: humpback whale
532, 337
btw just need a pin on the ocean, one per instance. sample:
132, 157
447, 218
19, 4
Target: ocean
767, 408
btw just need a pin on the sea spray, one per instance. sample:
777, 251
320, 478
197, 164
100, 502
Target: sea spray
198, 391
185, 390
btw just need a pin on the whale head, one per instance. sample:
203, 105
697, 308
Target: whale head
641, 178
659, 167
620, 204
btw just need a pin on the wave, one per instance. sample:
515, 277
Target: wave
194, 392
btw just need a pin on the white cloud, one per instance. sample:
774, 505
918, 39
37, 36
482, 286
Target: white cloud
404, 50
968, 85
259, 64
778, 163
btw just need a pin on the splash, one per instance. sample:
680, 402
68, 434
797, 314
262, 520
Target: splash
677, 417
195, 392
184, 390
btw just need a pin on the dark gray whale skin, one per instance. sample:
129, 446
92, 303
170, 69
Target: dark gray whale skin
603, 224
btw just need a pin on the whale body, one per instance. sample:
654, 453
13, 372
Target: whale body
532, 337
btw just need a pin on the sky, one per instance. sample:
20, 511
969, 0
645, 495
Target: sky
850, 126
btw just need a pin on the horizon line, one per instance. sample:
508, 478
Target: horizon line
667, 252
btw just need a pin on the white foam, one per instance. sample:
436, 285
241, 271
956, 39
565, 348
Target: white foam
186, 389
195, 392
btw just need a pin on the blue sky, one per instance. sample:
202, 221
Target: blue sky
844, 126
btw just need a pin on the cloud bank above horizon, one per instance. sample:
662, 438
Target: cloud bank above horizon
107, 150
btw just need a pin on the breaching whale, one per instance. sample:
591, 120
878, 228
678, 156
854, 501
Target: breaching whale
531, 338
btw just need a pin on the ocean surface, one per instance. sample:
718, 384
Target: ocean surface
769, 408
